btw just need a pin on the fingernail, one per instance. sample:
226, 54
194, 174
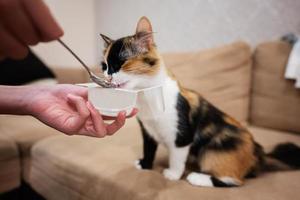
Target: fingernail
123, 113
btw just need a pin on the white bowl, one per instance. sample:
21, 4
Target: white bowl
111, 101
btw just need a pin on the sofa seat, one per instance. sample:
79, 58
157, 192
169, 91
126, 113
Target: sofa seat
9, 164
80, 167
24, 131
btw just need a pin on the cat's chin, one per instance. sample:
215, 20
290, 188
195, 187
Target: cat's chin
122, 85
128, 85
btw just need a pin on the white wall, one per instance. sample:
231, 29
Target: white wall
180, 25
77, 18
193, 24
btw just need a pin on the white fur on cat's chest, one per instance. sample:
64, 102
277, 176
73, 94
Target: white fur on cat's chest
163, 126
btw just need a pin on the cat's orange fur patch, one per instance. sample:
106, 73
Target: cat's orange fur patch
138, 66
192, 98
233, 163
171, 74
232, 121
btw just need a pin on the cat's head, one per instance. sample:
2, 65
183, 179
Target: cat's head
133, 62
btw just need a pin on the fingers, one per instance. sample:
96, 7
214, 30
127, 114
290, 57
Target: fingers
23, 23
80, 105
78, 121
42, 19
99, 126
117, 124
133, 113
102, 129
18, 23
81, 91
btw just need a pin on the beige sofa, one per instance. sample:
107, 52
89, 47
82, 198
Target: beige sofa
248, 85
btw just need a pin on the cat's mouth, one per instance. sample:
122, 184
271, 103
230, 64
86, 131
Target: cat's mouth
121, 85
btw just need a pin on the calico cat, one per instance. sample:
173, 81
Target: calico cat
190, 127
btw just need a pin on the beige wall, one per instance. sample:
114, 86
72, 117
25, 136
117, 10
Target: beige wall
180, 25
77, 17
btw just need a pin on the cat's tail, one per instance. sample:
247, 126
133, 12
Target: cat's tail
285, 156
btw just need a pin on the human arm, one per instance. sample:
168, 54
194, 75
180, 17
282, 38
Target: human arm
63, 107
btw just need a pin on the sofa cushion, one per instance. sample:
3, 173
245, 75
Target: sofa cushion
222, 75
275, 102
9, 164
24, 131
79, 167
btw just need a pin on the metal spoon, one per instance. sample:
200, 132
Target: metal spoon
100, 81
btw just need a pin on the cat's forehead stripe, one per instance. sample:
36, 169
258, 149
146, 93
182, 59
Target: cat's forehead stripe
107, 50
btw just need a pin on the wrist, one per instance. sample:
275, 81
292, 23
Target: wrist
32, 98
17, 99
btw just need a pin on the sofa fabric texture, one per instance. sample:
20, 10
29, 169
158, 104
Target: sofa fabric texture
104, 169
275, 102
10, 172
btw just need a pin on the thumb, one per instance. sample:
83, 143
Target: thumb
79, 104
77, 120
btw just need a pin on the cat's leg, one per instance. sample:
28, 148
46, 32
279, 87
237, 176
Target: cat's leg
177, 160
207, 180
226, 168
149, 147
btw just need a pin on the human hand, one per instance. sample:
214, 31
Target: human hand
23, 23
65, 108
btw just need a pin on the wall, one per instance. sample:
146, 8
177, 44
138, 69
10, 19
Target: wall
194, 24
77, 17
179, 25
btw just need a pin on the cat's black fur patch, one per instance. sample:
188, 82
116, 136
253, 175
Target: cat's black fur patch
150, 147
218, 183
287, 153
115, 58
195, 130
185, 133
260, 155
228, 143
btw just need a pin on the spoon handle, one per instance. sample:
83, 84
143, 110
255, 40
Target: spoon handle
77, 58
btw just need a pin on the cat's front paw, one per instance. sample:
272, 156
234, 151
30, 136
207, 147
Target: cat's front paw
137, 164
141, 164
171, 174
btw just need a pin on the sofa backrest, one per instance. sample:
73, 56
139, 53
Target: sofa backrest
275, 102
222, 75
73, 74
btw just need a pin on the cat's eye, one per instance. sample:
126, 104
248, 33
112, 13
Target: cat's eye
104, 66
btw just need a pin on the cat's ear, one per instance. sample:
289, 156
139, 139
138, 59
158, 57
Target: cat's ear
143, 25
106, 39
143, 33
